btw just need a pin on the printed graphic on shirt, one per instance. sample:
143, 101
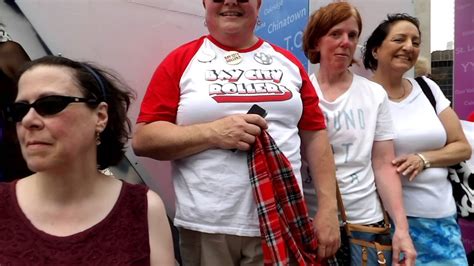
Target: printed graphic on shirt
352, 119
347, 120
354, 177
254, 85
263, 58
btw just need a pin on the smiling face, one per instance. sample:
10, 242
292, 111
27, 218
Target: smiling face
400, 49
337, 47
54, 141
227, 19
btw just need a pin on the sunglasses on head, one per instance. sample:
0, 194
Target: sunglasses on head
44, 106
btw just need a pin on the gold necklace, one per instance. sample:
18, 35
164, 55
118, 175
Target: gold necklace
398, 98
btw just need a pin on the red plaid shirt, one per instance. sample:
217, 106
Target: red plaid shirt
282, 213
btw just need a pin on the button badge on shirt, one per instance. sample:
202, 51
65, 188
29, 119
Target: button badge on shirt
232, 58
263, 58
206, 56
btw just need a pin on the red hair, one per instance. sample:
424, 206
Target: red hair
321, 22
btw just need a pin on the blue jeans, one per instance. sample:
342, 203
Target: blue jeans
356, 250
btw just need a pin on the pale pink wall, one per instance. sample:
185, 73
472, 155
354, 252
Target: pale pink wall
130, 37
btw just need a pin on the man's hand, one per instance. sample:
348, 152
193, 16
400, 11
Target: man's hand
237, 131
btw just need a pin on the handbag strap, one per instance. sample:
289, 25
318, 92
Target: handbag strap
376, 245
342, 210
357, 227
427, 91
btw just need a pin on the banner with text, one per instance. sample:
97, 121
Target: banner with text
282, 22
463, 98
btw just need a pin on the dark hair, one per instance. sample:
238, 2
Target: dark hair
380, 33
97, 83
321, 21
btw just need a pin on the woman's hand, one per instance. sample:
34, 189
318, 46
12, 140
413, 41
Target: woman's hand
401, 243
326, 225
409, 165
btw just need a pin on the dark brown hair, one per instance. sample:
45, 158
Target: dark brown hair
380, 33
97, 83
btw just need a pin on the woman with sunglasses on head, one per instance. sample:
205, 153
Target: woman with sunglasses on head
195, 113
427, 141
360, 132
12, 57
71, 120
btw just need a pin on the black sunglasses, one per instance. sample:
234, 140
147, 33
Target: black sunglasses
222, 1
44, 106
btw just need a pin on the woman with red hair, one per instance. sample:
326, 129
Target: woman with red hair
361, 133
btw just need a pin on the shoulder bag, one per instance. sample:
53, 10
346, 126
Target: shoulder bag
382, 242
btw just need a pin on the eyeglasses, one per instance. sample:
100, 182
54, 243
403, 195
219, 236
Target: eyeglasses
45, 106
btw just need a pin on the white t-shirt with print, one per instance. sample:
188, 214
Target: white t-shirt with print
203, 81
354, 121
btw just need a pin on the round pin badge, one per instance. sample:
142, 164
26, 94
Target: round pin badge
206, 56
232, 58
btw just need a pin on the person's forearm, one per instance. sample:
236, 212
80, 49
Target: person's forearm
320, 159
390, 190
325, 183
457, 148
450, 154
388, 182
318, 154
166, 141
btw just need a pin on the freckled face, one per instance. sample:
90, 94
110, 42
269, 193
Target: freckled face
338, 46
54, 140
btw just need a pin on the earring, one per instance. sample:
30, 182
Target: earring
205, 23
97, 138
374, 55
259, 22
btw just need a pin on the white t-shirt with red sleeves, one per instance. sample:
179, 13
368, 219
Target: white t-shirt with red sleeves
203, 81
355, 120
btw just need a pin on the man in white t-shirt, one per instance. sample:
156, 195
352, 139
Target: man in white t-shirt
194, 113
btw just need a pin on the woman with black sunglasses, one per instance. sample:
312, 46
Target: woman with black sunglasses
71, 122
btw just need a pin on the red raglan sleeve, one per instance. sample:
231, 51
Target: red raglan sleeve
162, 96
312, 118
